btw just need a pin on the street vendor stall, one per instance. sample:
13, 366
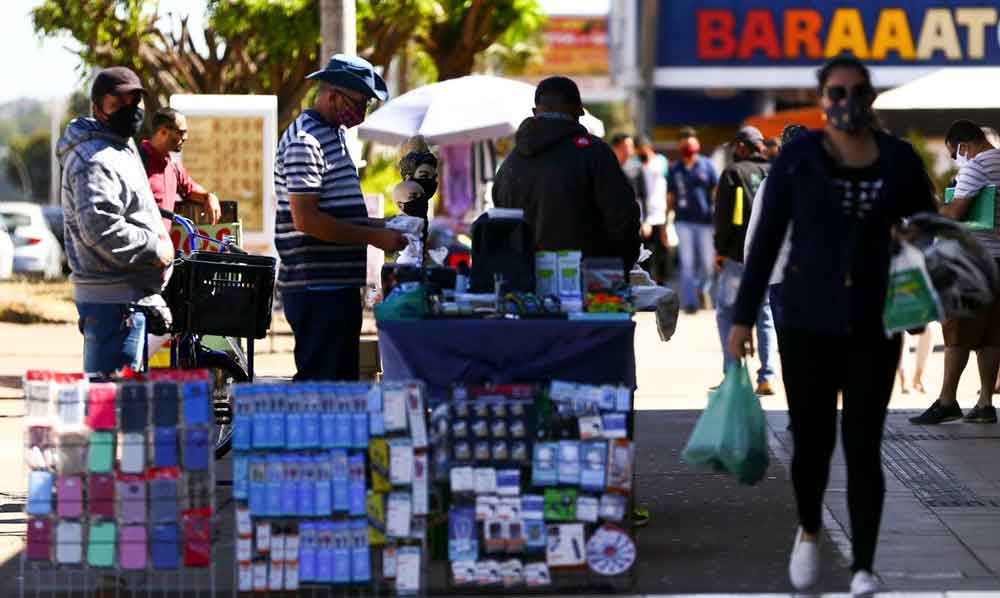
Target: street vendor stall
529, 368
442, 352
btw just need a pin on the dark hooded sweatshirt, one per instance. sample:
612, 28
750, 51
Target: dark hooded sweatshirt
572, 190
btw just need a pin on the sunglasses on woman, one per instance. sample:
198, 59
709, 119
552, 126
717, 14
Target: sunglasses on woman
836, 93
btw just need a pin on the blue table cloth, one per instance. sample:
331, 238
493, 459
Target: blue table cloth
445, 352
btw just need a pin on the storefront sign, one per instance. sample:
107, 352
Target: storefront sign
778, 43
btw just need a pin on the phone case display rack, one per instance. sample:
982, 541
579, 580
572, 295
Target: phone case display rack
537, 486
331, 485
121, 485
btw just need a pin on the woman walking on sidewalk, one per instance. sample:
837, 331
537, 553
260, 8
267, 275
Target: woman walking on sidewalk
843, 189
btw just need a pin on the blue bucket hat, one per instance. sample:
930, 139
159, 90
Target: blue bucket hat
354, 73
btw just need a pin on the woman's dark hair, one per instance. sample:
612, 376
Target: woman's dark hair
417, 154
845, 61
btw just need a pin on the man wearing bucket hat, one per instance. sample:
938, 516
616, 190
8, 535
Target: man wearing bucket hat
322, 228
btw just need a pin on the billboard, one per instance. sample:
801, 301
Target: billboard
573, 46
768, 43
223, 153
230, 151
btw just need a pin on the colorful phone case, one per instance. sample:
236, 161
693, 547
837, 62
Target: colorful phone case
163, 500
165, 447
196, 403
69, 496
69, 543
39, 493
135, 406
101, 495
101, 544
39, 539
165, 547
196, 449
101, 407
132, 547
100, 458
165, 403
133, 453
132, 497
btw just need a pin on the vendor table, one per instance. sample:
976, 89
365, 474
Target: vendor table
444, 352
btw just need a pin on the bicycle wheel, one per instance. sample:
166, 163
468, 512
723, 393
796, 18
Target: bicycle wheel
225, 372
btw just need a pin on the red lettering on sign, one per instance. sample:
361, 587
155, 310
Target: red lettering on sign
759, 34
715, 34
802, 29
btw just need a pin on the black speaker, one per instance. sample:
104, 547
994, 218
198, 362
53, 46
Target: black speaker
503, 246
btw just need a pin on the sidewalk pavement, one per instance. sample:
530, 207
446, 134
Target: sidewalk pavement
940, 531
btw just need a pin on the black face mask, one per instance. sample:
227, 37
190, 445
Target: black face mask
852, 116
416, 208
127, 121
429, 186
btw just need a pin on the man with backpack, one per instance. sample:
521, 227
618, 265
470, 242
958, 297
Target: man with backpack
733, 202
168, 179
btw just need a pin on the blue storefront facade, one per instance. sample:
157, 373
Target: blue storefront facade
718, 62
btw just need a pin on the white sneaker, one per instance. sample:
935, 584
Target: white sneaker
865, 584
803, 567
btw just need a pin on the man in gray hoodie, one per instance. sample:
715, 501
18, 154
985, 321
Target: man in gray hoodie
117, 246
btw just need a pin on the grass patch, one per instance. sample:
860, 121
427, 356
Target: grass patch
31, 301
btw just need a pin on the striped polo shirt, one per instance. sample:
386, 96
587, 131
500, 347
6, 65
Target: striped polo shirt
980, 172
312, 158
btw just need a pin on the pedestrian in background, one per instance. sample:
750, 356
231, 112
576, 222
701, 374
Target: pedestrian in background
733, 205
623, 146
168, 179
654, 234
690, 190
978, 167
843, 188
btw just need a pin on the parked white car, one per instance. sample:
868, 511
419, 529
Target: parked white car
6, 254
36, 249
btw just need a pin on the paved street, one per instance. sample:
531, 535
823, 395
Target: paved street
942, 518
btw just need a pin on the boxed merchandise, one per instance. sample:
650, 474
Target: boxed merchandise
569, 274
546, 273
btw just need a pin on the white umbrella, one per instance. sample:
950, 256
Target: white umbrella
464, 110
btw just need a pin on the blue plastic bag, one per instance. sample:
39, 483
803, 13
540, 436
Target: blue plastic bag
731, 433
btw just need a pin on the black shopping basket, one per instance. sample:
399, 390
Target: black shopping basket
224, 294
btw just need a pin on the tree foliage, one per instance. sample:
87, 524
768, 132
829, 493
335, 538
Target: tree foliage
459, 30
269, 46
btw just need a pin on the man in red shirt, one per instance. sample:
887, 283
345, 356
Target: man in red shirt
168, 179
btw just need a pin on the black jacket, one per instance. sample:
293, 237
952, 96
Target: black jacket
838, 269
730, 227
572, 190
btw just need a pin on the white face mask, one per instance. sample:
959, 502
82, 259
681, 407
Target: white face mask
961, 159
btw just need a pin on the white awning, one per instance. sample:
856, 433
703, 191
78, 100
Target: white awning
954, 88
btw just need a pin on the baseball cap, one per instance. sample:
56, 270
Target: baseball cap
557, 90
750, 136
354, 73
115, 80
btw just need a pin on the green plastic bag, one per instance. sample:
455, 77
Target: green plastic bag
731, 434
910, 301
406, 302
